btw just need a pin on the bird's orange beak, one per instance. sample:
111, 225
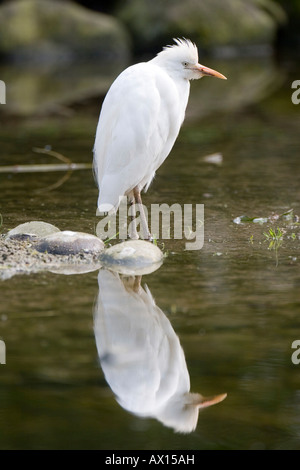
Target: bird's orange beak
210, 72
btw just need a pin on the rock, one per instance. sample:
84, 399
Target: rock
210, 23
42, 32
132, 257
59, 53
20, 257
32, 230
70, 243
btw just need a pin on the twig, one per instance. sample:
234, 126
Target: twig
44, 168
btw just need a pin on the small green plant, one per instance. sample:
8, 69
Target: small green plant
111, 238
154, 240
162, 246
275, 239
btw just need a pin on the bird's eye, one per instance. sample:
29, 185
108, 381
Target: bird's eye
185, 64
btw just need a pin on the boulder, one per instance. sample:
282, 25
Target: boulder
70, 243
210, 23
58, 54
44, 31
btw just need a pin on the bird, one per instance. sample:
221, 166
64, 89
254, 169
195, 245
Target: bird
141, 356
139, 122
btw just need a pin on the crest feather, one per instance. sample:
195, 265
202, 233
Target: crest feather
182, 47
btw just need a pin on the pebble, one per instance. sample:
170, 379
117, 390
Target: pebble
32, 230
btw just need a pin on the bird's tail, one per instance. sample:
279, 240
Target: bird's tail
109, 195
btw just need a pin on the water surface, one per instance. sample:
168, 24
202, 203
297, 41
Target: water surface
234, 305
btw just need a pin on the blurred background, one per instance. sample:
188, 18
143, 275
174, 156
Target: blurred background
54, 54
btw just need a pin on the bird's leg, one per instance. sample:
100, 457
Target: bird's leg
132, 283
137, 284
132, 232
138, 200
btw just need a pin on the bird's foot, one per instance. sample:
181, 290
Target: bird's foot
134, 236
149, 237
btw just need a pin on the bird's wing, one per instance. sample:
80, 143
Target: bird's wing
133, 132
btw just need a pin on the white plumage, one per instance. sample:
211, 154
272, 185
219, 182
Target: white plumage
140, 120
141, 356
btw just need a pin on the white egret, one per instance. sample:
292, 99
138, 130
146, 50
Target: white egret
139, 122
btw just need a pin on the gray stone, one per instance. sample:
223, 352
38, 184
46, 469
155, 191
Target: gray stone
132, 257
32, 230
44, 31
70, 243
58, 53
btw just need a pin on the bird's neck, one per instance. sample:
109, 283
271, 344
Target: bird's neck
182, 84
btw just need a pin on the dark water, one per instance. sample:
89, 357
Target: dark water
234, 304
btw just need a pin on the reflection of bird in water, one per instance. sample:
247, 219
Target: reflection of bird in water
141, 355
